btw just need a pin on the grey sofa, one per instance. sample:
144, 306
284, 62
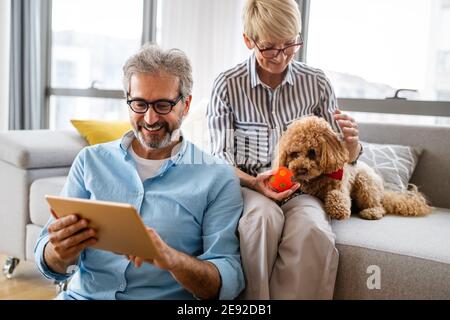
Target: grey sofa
393, 258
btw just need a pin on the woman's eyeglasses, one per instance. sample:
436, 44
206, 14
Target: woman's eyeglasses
271, 53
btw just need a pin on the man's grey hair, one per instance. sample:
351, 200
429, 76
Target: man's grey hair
152, 59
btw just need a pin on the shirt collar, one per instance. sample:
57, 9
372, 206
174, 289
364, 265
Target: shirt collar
254, 78
129, 136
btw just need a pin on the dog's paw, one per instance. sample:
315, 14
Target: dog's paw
372, 213
338, 211
338, 205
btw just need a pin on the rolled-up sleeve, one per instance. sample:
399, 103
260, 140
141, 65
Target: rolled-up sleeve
220, 119
74, 187
220, 241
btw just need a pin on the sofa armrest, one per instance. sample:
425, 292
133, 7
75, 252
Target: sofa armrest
30, 149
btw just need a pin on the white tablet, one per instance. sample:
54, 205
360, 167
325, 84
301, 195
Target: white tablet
118, 225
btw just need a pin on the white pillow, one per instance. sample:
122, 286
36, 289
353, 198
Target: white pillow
395, 163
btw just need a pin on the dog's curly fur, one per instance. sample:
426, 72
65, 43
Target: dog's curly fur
311, 149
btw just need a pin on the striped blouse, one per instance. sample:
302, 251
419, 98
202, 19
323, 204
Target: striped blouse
246, 117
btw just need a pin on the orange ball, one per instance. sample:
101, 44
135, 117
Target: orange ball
281, 180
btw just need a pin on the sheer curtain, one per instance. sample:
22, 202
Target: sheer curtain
209, 31
29, 59
4, 63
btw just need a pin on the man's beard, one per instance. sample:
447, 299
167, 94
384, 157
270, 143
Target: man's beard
169, 137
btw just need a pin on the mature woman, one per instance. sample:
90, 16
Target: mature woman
287, 245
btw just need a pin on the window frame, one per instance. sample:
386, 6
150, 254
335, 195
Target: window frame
148, 34
385, 106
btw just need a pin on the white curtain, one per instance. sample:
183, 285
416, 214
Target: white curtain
28, 63
4, 63
209, 31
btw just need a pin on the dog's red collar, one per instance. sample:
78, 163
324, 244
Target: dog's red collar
337, 175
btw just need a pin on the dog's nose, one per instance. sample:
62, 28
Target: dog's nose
302, 171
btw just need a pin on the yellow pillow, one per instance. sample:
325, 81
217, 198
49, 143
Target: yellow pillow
101, 131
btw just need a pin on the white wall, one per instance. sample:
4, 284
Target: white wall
4, 62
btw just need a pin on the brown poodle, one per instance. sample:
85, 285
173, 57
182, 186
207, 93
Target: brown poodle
319, 161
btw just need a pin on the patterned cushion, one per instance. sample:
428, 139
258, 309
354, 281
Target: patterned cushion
395, 163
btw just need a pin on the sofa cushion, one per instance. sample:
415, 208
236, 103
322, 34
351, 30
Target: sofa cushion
33, 232
39, 209
412, 254
40, 148
395, 163
432, 174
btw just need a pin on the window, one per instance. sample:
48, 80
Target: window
89, 47
212, 38
369, 49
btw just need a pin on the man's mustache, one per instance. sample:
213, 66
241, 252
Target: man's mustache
147, 126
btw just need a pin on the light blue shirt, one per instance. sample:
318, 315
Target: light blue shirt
194, 203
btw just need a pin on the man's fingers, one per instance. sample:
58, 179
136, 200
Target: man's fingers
78, 238
138, 262
71, 230
74, 251
62, 223
159, 243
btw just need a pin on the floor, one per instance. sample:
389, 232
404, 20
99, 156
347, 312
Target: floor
27, 283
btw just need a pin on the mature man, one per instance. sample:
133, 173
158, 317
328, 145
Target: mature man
192, 208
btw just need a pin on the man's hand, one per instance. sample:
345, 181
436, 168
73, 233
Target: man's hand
350, 131
261, 184
200, 277
166, 258
68, 236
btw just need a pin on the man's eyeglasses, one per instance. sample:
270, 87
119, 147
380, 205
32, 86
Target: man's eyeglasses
271, 53
162, 106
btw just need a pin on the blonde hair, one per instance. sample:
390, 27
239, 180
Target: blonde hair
271, 19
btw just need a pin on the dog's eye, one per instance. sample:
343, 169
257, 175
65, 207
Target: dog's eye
295, 155
311, 154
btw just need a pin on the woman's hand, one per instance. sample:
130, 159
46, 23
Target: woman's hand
261, 185
350, 131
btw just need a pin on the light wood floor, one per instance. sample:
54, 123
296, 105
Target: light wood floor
27, 283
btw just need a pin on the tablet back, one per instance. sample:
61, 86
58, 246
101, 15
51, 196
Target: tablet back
118, 225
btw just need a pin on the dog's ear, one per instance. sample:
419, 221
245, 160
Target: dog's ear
280, 159
334, 153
